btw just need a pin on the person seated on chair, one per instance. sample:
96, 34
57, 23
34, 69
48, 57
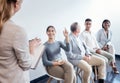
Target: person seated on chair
104, 37
90, 40
80, 56
52, 58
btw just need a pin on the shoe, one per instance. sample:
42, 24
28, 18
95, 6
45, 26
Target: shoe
115, 70
101, 81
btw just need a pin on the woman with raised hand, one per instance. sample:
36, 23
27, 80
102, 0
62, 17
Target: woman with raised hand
52, 58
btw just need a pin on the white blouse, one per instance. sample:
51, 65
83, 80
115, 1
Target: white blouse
103, 39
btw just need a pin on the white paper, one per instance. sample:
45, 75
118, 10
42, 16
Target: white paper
37, 55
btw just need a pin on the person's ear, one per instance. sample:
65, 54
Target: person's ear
17, 6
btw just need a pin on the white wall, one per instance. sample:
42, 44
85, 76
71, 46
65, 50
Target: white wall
36, 15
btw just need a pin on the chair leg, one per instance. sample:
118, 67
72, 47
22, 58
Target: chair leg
49, 80
79, 77
96, 74
92, 80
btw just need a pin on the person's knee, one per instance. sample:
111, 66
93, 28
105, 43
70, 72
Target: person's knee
102, 60
106, 60
71, 65
111, 57
88, 70
70, 69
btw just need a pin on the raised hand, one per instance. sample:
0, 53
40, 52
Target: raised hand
65, 32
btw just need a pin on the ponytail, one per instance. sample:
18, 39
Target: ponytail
5, 11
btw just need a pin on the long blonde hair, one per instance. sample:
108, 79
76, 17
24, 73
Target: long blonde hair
5, 11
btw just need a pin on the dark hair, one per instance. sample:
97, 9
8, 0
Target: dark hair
50, 26
5, 11
105, 21
9, 1
88, 19
73, 27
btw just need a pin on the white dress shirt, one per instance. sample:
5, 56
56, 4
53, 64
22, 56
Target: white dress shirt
90, 40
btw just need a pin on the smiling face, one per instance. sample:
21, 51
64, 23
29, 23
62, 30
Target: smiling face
88, 25
106, 25
51, 32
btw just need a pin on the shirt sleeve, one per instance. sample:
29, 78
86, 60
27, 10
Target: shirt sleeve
21, 49
109, 40
87, 51
65, 46
98, 38
45, 60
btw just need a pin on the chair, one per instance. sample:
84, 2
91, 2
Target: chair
59, 80
78, 73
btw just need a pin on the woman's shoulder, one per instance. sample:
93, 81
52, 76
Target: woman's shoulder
15, 28
100, 30
59, 42
45, 43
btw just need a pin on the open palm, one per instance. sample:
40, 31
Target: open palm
65, 32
